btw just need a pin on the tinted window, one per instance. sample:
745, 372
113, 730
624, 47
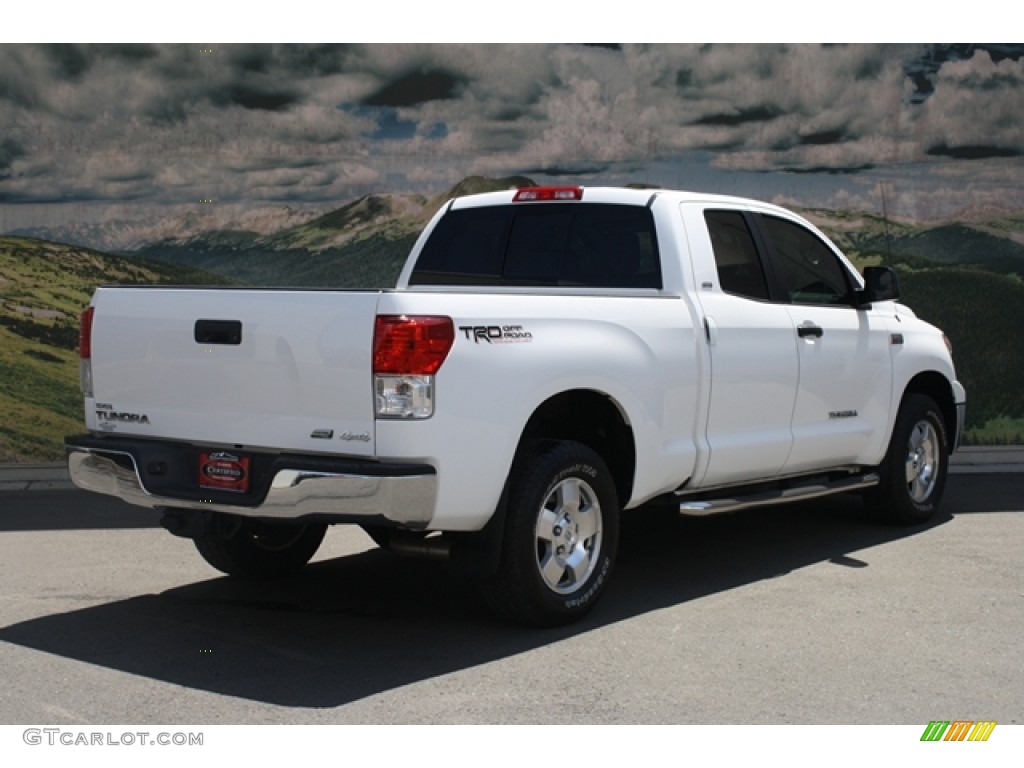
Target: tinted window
809, 269
739, 267
567, 244
537, 244
466, 247
612, 245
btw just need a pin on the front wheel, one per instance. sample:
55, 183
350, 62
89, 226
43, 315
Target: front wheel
260, 550
913, 474
561, 535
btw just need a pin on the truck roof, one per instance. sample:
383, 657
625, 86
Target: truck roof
616, 195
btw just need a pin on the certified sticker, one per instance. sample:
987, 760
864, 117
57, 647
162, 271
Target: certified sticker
224, 472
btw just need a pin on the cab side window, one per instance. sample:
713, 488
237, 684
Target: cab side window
810, 271
739, 266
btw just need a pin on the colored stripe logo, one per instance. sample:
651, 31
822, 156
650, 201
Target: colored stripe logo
958, 730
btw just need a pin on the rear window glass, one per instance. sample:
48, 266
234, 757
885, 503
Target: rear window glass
539, 244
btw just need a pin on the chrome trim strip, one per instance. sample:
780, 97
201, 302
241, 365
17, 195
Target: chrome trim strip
682, 491
405, 500
770, 498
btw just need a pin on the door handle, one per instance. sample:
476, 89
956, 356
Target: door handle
710, 330
809, 329
218, 332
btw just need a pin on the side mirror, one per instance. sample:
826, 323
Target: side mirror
880, 284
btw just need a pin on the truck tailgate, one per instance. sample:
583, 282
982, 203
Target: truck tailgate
288, 369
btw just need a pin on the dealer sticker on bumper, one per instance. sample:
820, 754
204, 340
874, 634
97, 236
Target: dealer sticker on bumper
224, 472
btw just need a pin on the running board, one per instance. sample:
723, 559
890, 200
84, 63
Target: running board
777, 496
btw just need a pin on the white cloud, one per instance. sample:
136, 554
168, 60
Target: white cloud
977, 102
250, 123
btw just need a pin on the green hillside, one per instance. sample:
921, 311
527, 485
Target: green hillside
950, 244
967, 279
979, 312
371, 261
362, 244
43, 289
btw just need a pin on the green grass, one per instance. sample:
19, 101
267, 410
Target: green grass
44, 287
1002, 430
39, 400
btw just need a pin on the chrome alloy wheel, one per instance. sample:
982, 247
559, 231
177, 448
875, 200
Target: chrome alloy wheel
923, 460
569, 533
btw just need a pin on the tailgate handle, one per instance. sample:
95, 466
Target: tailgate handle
219, 332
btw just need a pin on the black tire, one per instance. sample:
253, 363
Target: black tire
913, 473
255, 549
561, 536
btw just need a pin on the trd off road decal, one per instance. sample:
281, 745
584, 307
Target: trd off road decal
496, 334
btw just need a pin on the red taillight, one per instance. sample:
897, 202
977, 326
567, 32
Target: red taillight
534, 194
85, 335
411, 344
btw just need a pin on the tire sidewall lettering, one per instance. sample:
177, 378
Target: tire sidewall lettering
598, 578
584, 471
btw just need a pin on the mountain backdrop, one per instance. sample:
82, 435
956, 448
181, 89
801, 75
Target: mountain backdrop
318, 164
965, 278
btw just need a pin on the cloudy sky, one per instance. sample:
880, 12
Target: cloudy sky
126, 131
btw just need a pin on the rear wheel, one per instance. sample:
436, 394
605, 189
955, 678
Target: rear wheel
256, 549
913, 474
561, 536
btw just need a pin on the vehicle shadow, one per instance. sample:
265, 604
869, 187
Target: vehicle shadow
360, 625
70, 510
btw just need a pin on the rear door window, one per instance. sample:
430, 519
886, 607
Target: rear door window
739, 266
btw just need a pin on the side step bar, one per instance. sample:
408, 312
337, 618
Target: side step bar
703, 507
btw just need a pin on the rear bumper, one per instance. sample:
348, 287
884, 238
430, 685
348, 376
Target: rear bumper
285, 487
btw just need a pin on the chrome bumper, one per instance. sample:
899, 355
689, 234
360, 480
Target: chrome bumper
406, 500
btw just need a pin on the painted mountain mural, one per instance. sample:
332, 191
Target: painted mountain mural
318, 165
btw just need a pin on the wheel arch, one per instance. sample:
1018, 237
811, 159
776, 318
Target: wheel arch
594, 419
938, 388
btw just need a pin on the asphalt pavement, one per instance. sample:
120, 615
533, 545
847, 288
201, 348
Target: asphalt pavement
808, 613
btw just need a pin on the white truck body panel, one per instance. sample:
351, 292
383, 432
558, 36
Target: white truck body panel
301, 366
637, 350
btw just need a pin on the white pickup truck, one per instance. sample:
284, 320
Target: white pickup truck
550, 359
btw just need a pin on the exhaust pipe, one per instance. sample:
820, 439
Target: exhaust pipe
432, 547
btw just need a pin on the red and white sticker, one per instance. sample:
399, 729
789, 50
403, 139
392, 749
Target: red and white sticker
224, 472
